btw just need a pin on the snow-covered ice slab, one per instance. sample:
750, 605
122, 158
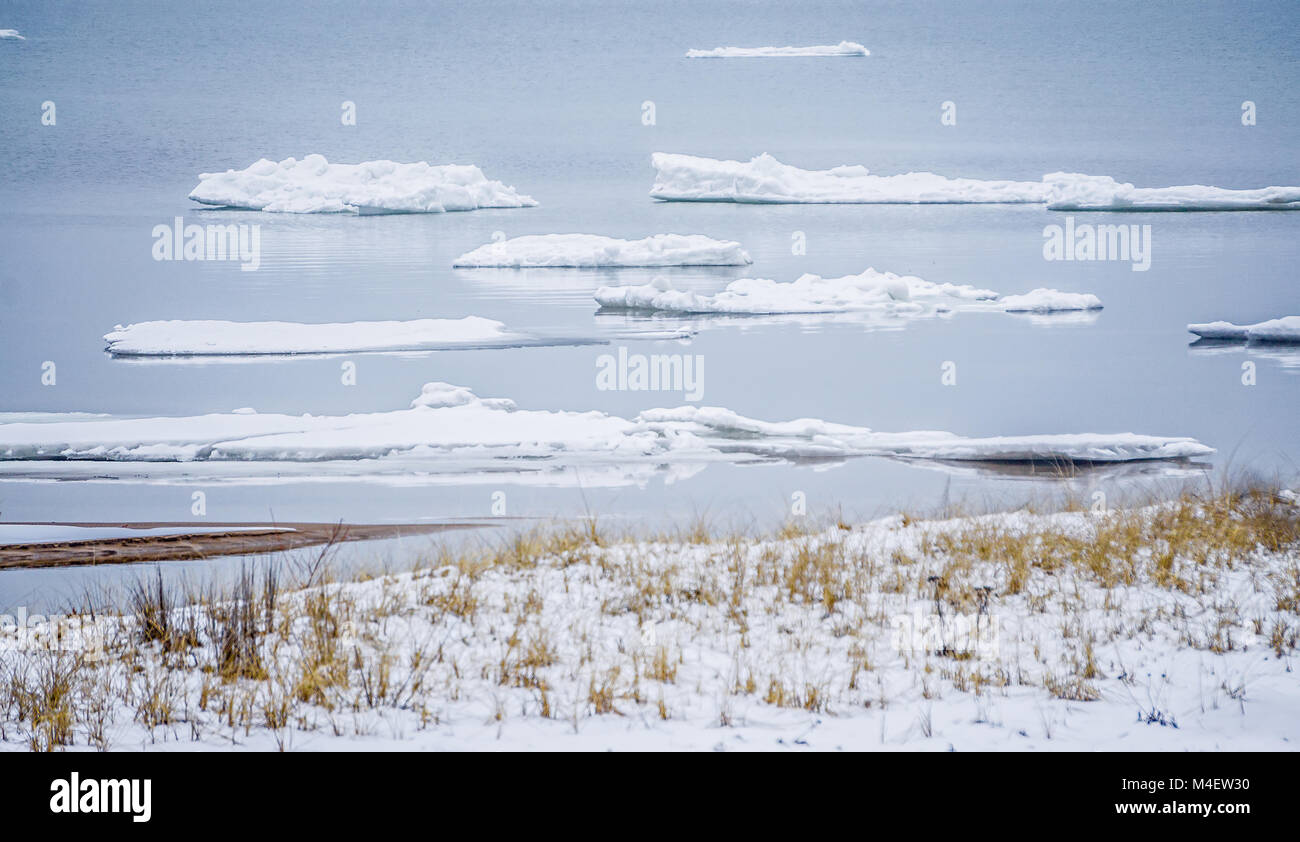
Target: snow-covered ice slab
1074, 192
594, 251
11, 34
877, 292
314, 185
452, 425
1285, 329
222, 338
690, 178
843, 48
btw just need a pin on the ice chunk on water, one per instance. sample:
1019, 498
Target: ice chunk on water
591, 250
877, 292
224, 338
689, 178
313, 185
843, 48
1285, 329
451, 423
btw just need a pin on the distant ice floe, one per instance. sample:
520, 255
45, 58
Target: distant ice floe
593, 251
878, 292
689, 178
223, 338
454, 430
11, 34
1283, 330
313, 185
843, 48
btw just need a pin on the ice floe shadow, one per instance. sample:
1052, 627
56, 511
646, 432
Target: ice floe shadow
1287, 356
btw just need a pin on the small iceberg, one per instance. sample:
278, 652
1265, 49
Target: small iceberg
877, 292
452, 429
11, 34
843, 48
222, 338
314, 185
764, 179
1283, 330
593, 251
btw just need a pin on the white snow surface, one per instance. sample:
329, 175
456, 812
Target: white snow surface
205, 337
764, 179
870, 291
11, 34
714, 646
844, 48
314, 185
593, 251
1285, 329
451, 422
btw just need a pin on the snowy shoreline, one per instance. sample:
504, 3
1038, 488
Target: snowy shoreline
1012, 632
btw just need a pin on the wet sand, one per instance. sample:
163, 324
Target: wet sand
243, 539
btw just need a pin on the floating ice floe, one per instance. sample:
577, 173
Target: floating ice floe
843, 48
878, 292
11, 34
222, 338
1285, 329
689, 178
591, 251
314, 185
457, 430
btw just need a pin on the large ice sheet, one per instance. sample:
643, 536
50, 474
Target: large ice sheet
1285, 329
453, 424
690, 178
843, 48
592, 251
222, 338
877, 292
766, 180
313, 185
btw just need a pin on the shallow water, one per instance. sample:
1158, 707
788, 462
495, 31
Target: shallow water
549, 99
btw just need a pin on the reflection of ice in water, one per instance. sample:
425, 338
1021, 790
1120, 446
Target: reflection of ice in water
1287, 356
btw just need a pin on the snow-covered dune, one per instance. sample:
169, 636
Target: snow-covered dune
210, 337
871, 291
591, 250
313, 185
690, 178
843, 48
1285, 329
451, 424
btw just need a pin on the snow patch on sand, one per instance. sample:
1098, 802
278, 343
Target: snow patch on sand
591, 251
313, 185
844, 48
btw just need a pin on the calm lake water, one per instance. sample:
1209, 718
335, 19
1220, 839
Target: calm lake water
549, 98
